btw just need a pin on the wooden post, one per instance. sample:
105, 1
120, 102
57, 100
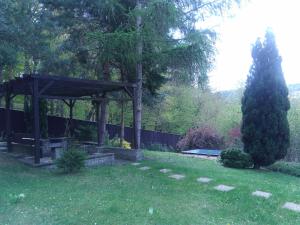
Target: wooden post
102, 121
98, 123
36, 121
122, 125
8, 120
71, 125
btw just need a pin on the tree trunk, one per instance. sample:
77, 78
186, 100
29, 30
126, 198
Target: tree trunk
28, 108
256, 167
139, 78
122, 125
103, 111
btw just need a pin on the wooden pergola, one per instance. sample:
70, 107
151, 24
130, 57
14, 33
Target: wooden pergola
67, 89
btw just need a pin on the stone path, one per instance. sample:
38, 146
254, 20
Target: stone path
292, 206
177, 176
204, 179
145, 168
262, 194
165, 170
224, 188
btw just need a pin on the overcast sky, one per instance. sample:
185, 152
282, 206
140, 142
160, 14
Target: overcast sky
238, 33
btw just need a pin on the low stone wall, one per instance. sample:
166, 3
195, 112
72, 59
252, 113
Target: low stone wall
126, 154
3, 146
100, 159
92, 160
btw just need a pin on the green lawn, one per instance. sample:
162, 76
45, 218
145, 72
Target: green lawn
123, 195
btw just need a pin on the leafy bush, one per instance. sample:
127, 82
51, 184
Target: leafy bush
291, 168
16, 198
160, 147
234, 139
202, 137
235, 158
71, 161
116, 142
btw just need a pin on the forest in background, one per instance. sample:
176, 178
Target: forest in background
93, 39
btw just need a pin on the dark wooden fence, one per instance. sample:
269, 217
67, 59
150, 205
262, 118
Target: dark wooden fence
56, 128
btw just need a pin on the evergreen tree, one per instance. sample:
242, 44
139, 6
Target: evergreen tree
265, 128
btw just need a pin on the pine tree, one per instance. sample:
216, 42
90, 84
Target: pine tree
265, 128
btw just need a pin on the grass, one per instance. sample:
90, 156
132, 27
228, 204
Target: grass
123, 194
291, 168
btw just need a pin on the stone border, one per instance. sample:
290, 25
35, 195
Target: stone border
92, 160
125, 154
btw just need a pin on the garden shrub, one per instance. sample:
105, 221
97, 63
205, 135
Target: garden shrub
116, 142
71, 161
202, 137
291, 168
235, 158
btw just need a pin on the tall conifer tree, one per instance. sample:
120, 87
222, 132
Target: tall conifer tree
265, 128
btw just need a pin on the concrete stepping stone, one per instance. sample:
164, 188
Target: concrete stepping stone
177, 176
204, 179
144, 168
165, 170
224, 188
262, 194
135, 164
292, 206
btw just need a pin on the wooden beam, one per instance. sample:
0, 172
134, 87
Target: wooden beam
64, 98
79, 80
36, 121
130, 94
46, 87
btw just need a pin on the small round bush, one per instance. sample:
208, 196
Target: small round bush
71, 161
235, 158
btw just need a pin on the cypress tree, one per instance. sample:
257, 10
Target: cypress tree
265, 128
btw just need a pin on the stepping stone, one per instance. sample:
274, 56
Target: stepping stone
224, 188
204, 179
262, 194
144, 168
177, 176
292, 206
135, 164
165, 170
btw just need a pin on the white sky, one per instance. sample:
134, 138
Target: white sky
238, 33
